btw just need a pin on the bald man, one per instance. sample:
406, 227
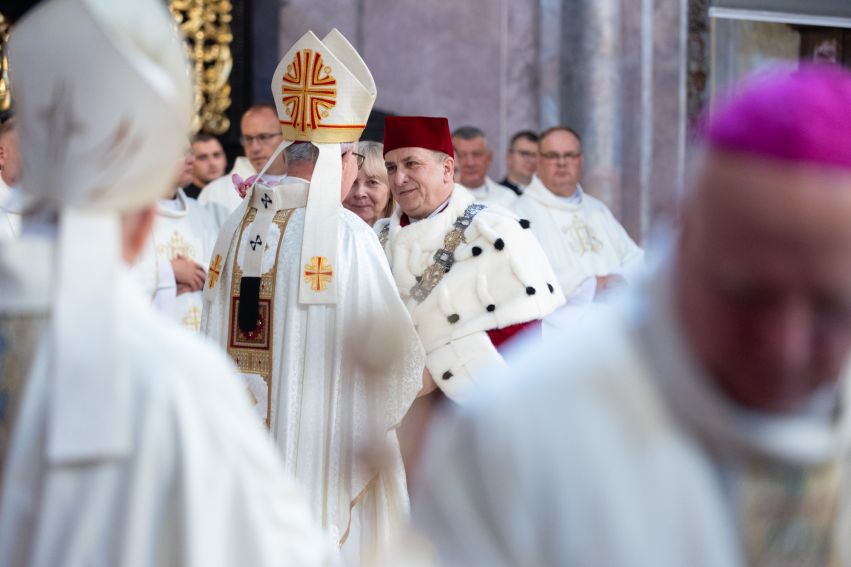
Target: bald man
702, 423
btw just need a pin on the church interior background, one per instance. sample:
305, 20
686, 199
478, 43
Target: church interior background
632, 76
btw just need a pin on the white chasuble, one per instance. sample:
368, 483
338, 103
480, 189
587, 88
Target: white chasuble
182, 228
494, 276
199, 485
581, 237
331, 382
616, 450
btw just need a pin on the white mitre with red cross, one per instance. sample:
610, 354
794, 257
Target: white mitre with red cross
324, 93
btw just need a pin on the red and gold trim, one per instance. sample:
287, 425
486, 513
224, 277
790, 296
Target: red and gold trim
252, 351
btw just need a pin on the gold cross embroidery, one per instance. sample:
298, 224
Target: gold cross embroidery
192, 319
175, 247
214, 272
584, 238
318, 273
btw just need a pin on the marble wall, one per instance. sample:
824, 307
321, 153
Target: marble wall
474, 62
624, 88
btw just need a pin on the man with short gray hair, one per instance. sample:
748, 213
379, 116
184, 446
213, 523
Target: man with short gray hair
474, 157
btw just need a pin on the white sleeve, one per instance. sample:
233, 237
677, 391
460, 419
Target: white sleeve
166, 291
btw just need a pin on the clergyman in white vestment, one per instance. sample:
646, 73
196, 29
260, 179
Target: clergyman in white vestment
172, 266
302, 299
124, 440
586, 245
704, 421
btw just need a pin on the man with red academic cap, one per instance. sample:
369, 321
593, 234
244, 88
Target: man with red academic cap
705, 422
471, 276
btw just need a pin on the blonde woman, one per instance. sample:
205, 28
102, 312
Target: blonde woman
370, 197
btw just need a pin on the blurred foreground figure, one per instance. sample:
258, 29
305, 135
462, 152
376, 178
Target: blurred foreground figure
703, 422
300, 295
123, 439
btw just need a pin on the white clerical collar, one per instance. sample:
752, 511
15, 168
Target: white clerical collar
810, 436
574, 199
483, 188
278, 179
175, 207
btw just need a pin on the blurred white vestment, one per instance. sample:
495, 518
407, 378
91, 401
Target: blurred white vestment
201, 484
614, 450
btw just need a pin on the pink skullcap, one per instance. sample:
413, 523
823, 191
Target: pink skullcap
799, 115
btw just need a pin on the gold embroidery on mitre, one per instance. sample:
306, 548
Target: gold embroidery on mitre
309, 90
318, 273
583, 238
309, 94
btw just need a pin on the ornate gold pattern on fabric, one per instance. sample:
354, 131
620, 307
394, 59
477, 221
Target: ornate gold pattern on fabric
19, 338
445, 257
789, 515
206, 26
192, 319
583, 239
175, 247
252, 351
318, 273
5, 87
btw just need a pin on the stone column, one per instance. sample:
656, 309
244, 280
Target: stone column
623, 87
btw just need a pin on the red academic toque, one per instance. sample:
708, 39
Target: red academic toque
429, 132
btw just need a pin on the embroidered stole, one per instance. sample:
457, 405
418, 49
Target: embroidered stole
252, 350
789, 515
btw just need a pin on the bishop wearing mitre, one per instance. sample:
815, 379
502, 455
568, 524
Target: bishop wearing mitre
301, 296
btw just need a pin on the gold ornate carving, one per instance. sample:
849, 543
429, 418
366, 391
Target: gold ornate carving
5, 88
206, 26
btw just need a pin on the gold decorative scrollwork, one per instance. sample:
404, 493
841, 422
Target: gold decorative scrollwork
5, 88
206, 25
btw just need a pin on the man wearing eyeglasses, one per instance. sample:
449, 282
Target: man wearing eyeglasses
261, 134
521, 161
590, 251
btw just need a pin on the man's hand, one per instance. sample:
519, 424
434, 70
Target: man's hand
607, 284
188, 275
